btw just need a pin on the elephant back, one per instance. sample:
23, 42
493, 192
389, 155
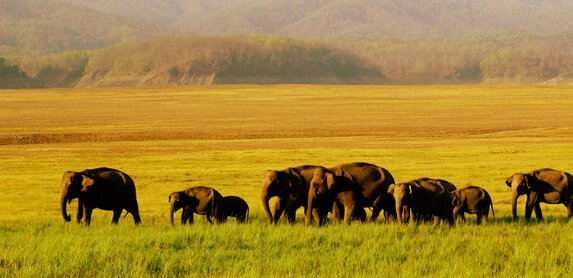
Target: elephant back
434, 185
371, 180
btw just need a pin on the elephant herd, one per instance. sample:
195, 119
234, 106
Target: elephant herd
344, 191
110, 189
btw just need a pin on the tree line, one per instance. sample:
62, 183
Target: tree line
185, 60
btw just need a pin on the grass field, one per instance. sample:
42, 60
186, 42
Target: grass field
169, 139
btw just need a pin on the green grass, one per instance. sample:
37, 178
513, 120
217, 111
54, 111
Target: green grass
45, 248
227, 136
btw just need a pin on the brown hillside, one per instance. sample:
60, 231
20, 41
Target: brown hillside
207, 60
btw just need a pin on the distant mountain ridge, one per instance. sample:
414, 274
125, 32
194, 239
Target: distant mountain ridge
57, 42
339, 18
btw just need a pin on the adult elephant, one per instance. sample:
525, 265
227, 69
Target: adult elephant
102, 188
354, 185
541, 186
201, 200
329, 193
422, 197
290, 186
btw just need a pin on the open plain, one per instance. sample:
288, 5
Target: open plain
169, 139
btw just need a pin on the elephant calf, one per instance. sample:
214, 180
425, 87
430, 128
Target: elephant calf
472, 199
421, 198
201, 200
233, 206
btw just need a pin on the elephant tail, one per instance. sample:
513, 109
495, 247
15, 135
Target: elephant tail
490, 204
213, 207
126, 213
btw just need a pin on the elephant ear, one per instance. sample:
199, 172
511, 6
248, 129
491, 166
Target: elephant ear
456, 200
87, 182
509, 180
528, 180
330, 182
391, 189
294, 182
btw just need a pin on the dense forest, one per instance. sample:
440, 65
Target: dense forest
54, 43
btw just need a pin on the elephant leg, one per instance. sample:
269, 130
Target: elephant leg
183, 217
278, 210
116, 215
376, 208
569, 209
348, 212
412, 215
479, 217
436, 220
291, 212
88, 214
316, 216
456, 212
538, 213
323, 216
134, 210
485, 213
189, 217
241, 218
532, 203
80, 214
336, 213
375, 212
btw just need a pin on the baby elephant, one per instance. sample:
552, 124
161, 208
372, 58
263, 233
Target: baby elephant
233, 206
472, 199
201, 200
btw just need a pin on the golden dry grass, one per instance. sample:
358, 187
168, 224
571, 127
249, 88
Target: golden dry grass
169, 139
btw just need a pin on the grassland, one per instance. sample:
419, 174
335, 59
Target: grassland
226, 136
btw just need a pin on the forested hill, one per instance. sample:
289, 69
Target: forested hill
193, 60
207, 60
58, 42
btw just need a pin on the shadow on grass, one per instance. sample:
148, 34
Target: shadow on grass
521, 221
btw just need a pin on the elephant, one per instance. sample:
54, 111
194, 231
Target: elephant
328, 191
423, 197
359, 213
472, 199
233, 206
102, 188
357, 184
290, 186
201, 200
541, 186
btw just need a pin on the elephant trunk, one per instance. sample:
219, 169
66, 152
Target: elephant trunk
265, 199
514, 197
171, 212
399, 209
308, 216
64, 200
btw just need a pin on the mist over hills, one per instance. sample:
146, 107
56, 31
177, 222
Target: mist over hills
52, 42
333, 19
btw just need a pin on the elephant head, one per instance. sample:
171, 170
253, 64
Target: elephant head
456, 201
520, 184
284, 184
321, 185
402, 193
177, 200
73, 184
